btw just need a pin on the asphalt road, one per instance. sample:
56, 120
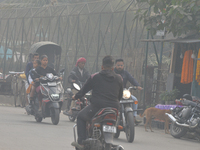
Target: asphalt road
19, 131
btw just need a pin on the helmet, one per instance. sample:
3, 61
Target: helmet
187, 96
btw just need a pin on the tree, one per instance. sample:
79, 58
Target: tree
176, 16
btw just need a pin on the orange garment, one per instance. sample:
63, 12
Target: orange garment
29, 88
198, 69
187, 68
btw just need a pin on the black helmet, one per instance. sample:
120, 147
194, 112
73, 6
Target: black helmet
187, 96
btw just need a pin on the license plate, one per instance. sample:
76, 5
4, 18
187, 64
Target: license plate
51, 83
127, 101
110, 129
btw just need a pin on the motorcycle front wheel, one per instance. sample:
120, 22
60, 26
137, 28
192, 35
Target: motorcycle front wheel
72, 118
130, 127
38, 119
55, 115
177, 131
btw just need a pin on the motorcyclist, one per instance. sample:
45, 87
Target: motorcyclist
119, 69
107, 90
80, 77
42, 71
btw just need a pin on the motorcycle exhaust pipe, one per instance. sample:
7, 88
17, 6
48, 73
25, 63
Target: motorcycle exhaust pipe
171, 117
179, 124
74, 129
119, 147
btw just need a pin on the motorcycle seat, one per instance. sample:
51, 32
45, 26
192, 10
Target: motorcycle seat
104, 111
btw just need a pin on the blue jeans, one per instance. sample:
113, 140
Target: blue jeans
135, 106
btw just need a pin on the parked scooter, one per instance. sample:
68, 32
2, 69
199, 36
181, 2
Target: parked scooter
52, 91
100, 131
126, 118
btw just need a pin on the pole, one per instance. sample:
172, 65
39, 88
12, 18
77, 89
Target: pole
158, 87
145, 67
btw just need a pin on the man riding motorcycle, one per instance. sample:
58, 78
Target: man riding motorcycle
78, 74
107, 90
119, 69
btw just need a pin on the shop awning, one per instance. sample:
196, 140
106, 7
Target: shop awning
172, 40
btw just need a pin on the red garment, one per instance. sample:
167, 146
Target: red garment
81, 59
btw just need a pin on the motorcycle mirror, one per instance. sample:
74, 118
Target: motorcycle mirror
130, 88
61, 71
69, 90
76, 86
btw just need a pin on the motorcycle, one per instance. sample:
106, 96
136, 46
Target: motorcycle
126, 117
100, 131
79, 105
185, 118
52, 91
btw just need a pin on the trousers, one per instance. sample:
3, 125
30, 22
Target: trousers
86, 114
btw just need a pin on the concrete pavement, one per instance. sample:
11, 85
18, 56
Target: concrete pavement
19, 131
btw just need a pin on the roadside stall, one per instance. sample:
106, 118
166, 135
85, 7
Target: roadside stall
184, 72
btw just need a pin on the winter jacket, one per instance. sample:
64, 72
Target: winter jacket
127, 77
107, 89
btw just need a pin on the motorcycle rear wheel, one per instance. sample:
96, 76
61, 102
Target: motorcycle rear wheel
177, 131
130, 127
55, 115
116, 135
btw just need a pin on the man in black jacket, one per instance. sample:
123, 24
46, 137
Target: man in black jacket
79, 73
107, 90
119, 69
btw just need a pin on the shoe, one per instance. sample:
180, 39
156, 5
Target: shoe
137, 121
75, 144
39, 112
68, 113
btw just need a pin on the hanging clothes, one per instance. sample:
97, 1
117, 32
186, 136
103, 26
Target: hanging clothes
187, 68
198, 69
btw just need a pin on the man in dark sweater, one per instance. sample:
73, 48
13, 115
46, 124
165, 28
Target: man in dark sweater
107, 90
119, 69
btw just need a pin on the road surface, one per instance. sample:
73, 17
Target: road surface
19, 131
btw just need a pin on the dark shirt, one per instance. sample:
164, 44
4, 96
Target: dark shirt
82, 78
127, 77
107, 89
42, 72
29, 66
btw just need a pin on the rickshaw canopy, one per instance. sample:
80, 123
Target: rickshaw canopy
52, 50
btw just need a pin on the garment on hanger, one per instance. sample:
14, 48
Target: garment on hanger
198, 69
187, 68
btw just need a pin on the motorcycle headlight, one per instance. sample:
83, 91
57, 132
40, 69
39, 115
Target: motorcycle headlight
55, 96
126, 94
50, 76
